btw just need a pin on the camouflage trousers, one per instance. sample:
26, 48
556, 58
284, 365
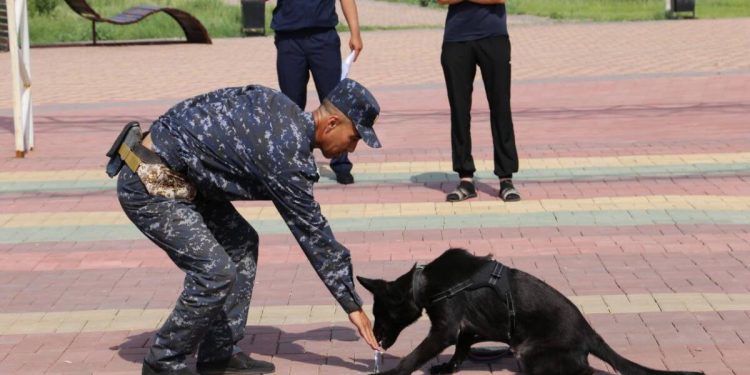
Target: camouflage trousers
218, 251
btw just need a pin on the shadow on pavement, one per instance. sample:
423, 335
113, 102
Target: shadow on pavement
446, 182
6, 124
267, 341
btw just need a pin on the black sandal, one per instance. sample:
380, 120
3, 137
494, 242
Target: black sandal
464, 191
508, 192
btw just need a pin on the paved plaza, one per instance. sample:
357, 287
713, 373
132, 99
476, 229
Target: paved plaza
635, 172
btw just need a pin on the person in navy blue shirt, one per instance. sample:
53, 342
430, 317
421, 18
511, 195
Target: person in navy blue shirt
242, 143
476, 34
307, 42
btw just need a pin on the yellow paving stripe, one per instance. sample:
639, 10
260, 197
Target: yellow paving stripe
146, 319
431, 166
338, 211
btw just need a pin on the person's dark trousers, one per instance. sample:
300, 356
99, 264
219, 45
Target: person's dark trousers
316, 51
218, 251
459, 61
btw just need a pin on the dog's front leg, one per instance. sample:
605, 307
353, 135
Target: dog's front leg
432, 345
463, 345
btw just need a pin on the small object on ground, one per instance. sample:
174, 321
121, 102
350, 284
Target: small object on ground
378, 359
489, 353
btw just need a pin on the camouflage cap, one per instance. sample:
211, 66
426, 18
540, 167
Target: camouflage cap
357, 103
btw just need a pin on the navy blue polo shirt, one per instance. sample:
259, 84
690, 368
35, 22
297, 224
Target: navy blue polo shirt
469, 21
293, 15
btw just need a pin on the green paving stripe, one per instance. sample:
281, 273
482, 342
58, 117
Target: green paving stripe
400, 178
417, 222
148, 319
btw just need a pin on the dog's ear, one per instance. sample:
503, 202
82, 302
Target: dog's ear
373, 285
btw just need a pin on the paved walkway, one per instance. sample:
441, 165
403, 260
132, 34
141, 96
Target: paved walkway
635, 175
399, 58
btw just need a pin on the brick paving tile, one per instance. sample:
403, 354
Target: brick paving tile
577, 274
666, 295
312, 346
403, 57
562, 104
616, 186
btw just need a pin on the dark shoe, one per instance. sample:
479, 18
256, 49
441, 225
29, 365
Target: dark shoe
148, 370
508, 192
239, 363
344, 178
464, 191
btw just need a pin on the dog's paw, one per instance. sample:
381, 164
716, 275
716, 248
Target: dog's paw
444, 368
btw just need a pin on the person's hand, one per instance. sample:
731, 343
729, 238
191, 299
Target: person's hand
355, 44
362, 322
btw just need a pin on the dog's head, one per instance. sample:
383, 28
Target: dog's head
394, 307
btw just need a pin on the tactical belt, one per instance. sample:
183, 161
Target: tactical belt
129, 156
129, 151
490, 275
155, 175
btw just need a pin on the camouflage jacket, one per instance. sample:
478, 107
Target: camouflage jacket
254, 143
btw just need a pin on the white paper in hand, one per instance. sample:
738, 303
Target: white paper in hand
346, 64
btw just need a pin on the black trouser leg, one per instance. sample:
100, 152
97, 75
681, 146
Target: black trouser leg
240, 241
292, 68
324, 58
493, 57
180, 229
459, 67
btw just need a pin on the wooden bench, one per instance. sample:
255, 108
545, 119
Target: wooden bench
194, 30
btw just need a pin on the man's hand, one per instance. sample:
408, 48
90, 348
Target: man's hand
362, 322
349, 8
355, 44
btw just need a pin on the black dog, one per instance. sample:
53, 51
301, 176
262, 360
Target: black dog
471, 299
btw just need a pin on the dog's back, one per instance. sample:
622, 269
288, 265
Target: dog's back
451, 268
533, 308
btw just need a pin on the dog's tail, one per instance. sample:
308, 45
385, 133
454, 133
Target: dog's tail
601, 349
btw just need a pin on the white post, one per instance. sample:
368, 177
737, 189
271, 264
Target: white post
20, 70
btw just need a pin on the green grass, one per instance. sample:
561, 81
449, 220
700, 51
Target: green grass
616, 10
623, 10
64, 25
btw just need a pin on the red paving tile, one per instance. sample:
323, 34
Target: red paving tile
295, 283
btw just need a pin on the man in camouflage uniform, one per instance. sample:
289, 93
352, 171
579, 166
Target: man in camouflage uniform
245, 143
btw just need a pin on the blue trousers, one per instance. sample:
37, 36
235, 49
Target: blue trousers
316, 51
218, 251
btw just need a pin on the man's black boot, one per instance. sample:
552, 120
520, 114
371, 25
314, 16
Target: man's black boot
344, 178
239, 363
148, 370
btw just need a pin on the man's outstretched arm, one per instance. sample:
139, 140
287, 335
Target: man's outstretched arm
293, 198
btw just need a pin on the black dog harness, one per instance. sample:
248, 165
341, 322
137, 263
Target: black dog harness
491, 275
